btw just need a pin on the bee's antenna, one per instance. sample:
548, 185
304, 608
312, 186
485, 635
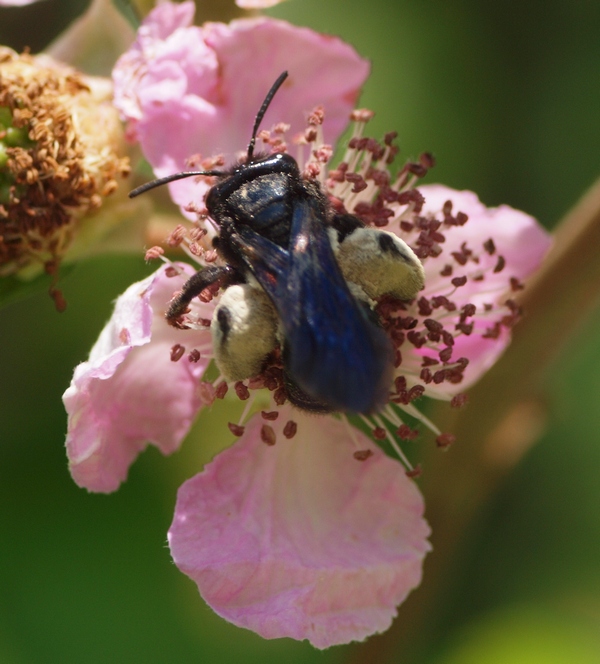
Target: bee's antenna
188, 174
169, 178
263, 109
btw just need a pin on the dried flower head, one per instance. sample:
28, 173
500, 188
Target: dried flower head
59, 157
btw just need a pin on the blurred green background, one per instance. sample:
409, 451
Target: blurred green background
507, 96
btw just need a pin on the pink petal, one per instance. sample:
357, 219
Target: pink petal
129, 393
518, 237
300, 539
189, 92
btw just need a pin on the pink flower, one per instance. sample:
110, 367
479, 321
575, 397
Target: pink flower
186, 90
129, 392
303, 527
299, 539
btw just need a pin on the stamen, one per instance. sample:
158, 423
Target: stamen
267, 435
290, 429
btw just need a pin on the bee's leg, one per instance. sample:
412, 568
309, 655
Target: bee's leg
223, 275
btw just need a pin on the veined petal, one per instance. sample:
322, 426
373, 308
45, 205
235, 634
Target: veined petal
186, 92
129, 393
521, 242
300, 539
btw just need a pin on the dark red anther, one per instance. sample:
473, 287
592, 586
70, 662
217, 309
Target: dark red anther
362, 455
500, 263
271, 415
416, 169
404, 432
267, 435
236, 429
390, 137
417, 471
459, 281
427, 159
279, 396
171, 272
397, 358
492, 332
465, 328
459, 257
221, 390
433, 325
416, 338
177, 352
447, 271
515, 284
357, 180
446, 354
459, 400
467, 310
310, 135
407, 322
439, 376
426, 376
425, 308
447, 338
490, 247
400, 383
444, 440
194, 355
241, 391
290, 429
415, 392
379, 433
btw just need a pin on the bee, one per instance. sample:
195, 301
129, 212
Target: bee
301, 276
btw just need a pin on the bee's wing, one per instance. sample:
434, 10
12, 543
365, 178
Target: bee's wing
332, 349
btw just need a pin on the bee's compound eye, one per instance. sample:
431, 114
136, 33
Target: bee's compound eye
244, 328
380, 263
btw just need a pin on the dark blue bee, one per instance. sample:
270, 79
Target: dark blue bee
279, 236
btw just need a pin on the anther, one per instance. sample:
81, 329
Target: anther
267, 435
194, 355
362, 455
290, 429
417, 471
406, 433
236, 429
241, 391
459, 400
444, 440
177, 352
459, 281
153, 253
269, 415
